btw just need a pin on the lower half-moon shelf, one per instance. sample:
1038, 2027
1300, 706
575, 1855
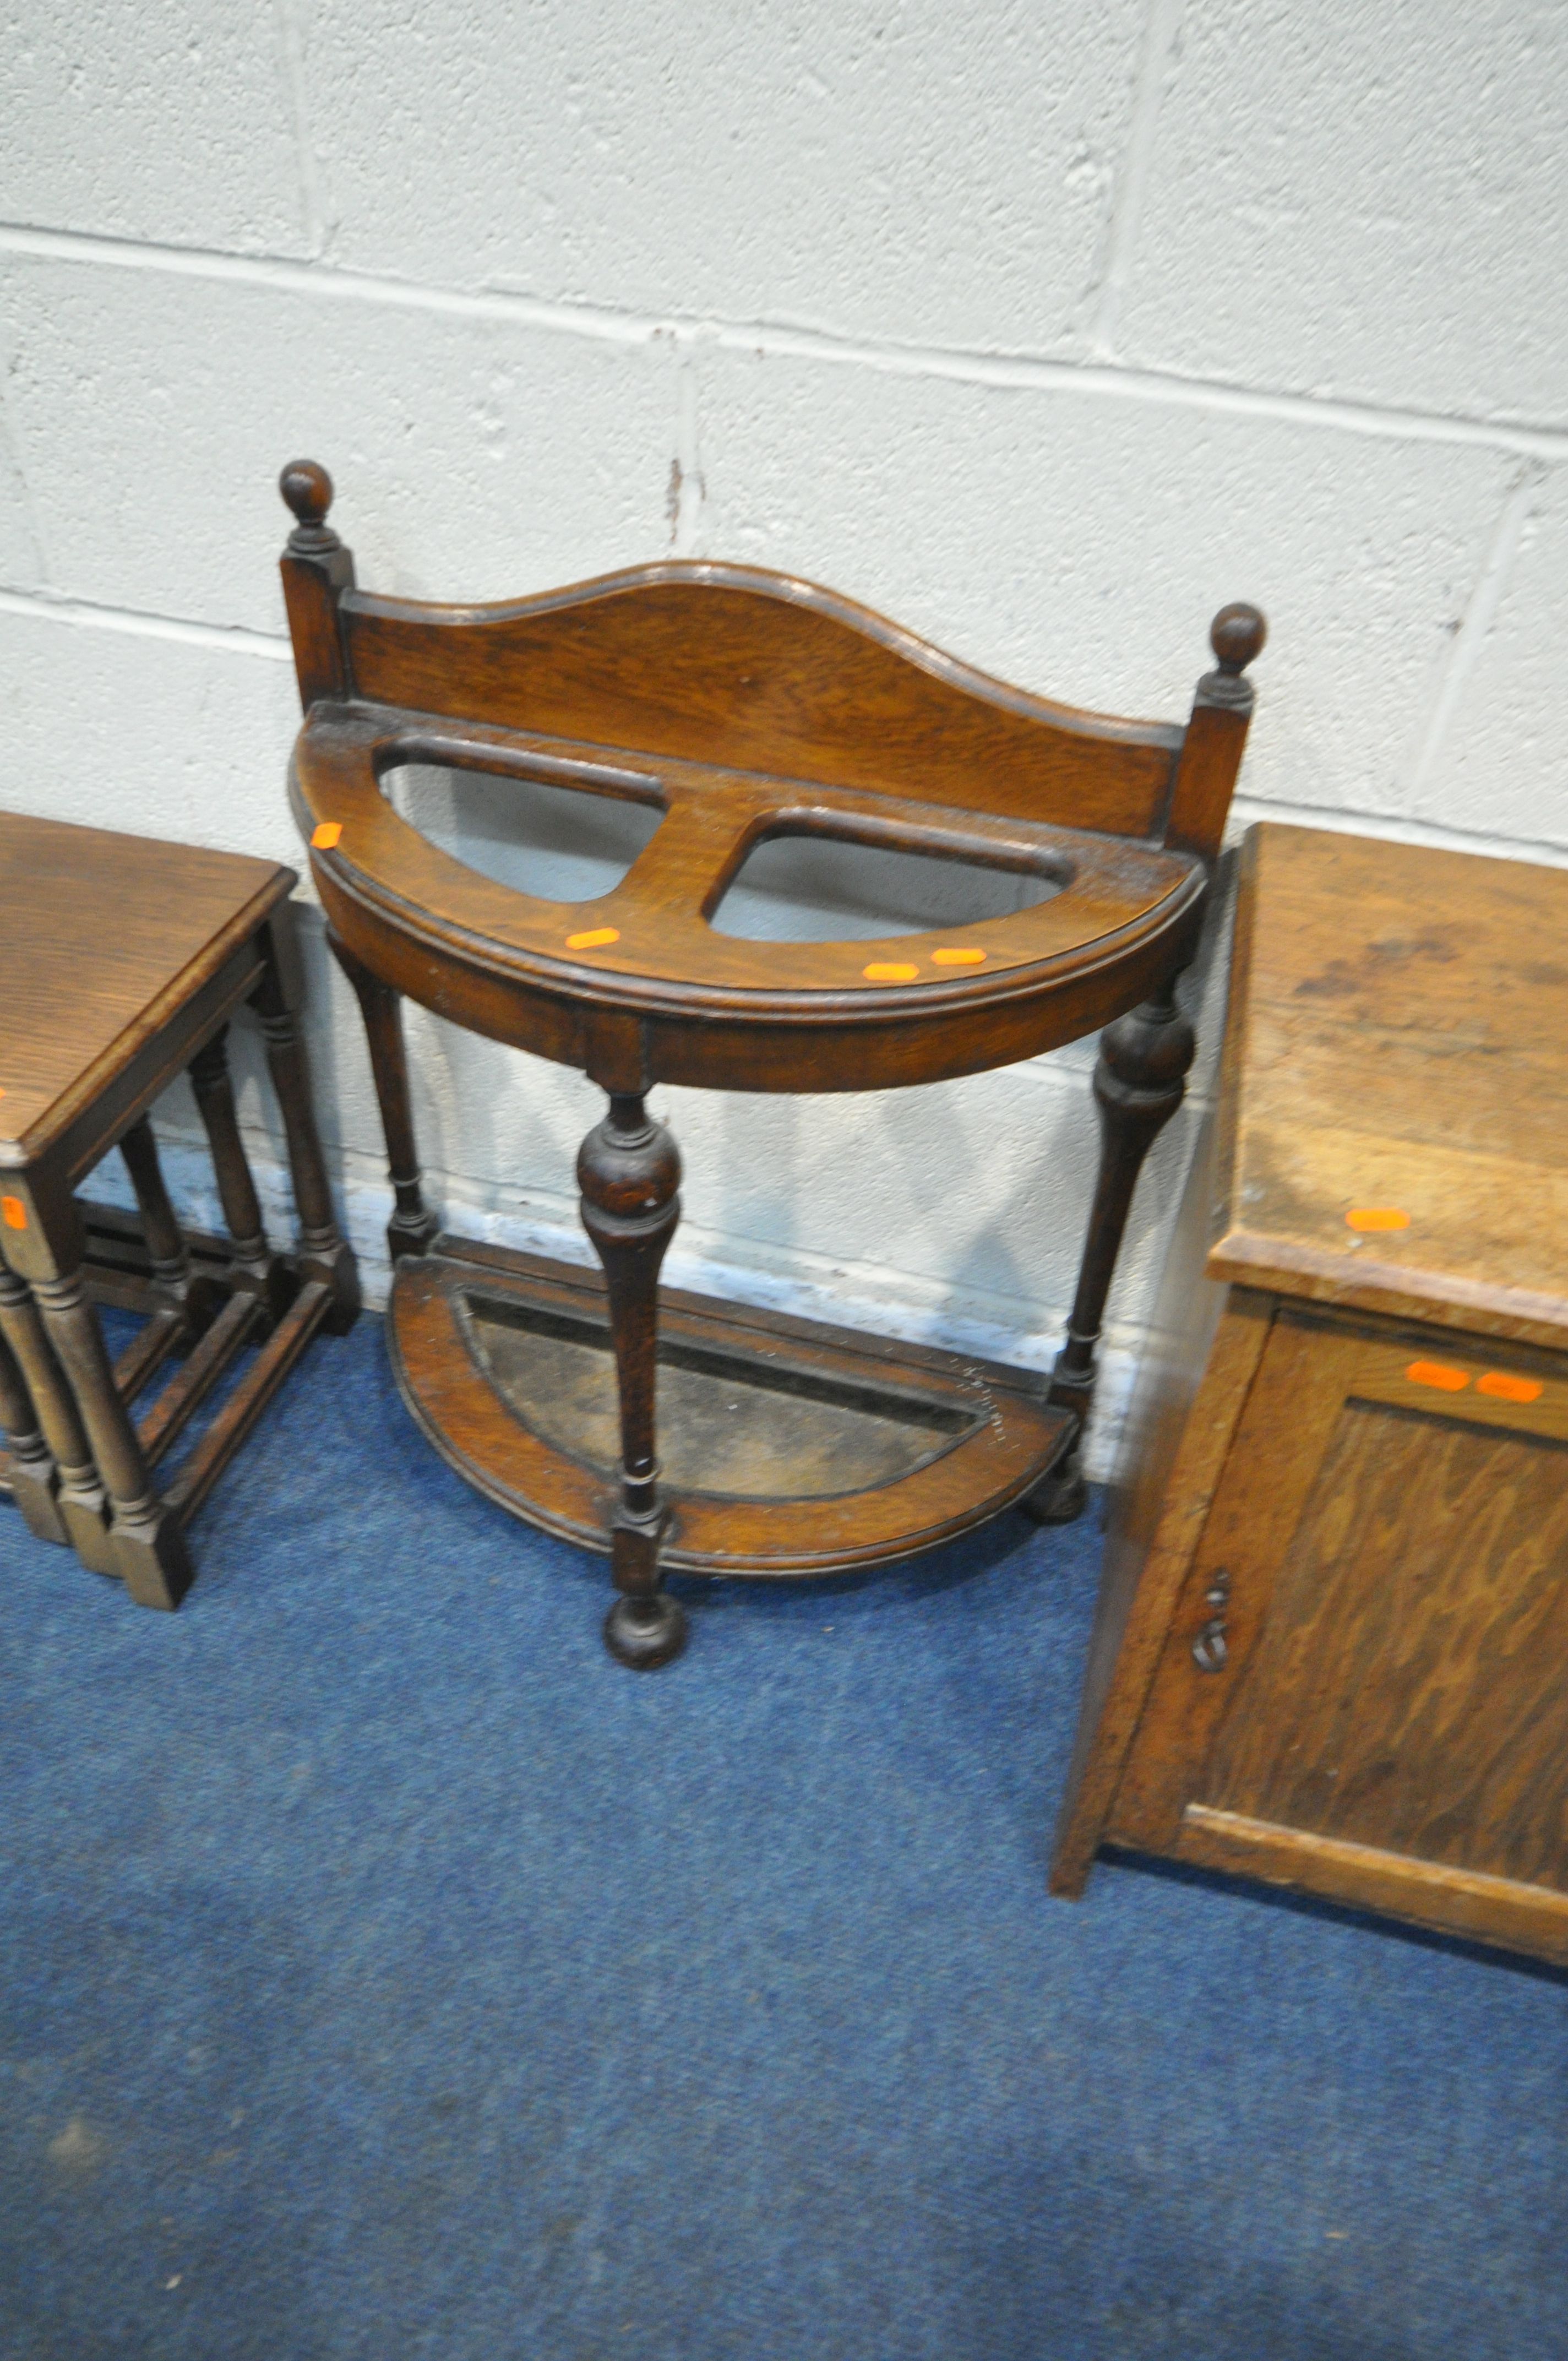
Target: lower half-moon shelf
786, 1447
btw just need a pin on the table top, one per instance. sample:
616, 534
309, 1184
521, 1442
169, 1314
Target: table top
102, 937
1395, 1131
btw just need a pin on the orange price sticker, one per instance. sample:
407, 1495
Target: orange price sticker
1503, 1386
324, 837
954, 958
1441, 1374
593, 939
16, 1213
890, 971
1377, 1217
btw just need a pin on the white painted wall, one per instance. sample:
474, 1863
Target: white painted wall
1045, 327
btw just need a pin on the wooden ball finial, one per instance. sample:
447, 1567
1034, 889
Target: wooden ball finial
307, 488
1238, 635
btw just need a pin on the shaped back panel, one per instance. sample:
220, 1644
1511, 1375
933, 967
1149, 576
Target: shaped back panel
758, 672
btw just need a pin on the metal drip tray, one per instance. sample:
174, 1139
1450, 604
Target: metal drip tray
730, 1422
788, 1447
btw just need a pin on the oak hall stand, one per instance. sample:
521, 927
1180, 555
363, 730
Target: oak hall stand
1332, 1644
732, 709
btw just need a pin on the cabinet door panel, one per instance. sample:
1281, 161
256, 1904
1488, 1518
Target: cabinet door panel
1409, 1685
1270, 1476
1386, 1566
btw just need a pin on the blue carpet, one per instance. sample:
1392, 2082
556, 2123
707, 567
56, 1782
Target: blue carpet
387, 1973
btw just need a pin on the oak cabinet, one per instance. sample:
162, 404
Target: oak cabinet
1332, 1648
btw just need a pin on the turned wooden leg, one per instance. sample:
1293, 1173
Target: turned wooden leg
324, 1254
149, 1553
195, 1299
629, 1171
1140, 1077
35, 1479
255, 1269
77, 1495
413, 1228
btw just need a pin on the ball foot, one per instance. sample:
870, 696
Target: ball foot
1059, 1500
645, 1633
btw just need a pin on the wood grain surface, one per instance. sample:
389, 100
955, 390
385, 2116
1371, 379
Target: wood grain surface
1001, 1434
743, 707
1465, 1902
758, 671
103, 937
123, 960
1407, 1689
720, 1008
1391, 1559
1396, 1045
1268, 1477
1202, 1352
1354, 1595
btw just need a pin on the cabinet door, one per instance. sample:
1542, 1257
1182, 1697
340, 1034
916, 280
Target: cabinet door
1365, 1688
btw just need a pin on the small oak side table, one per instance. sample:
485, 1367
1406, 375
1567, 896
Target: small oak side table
122, 961
1332, 1645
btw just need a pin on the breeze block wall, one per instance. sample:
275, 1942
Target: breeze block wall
1046, 329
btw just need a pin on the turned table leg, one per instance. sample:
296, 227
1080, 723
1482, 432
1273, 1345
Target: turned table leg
629, 1171
1140, 1077
149, 1548
77, 1495
255, 1268
167, 1252
35, 1479
413, 1228
324, 1254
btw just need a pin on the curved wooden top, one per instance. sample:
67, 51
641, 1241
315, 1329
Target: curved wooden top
651, 954
744, 704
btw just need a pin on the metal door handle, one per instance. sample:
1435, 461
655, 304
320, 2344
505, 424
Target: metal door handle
1209, 1649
